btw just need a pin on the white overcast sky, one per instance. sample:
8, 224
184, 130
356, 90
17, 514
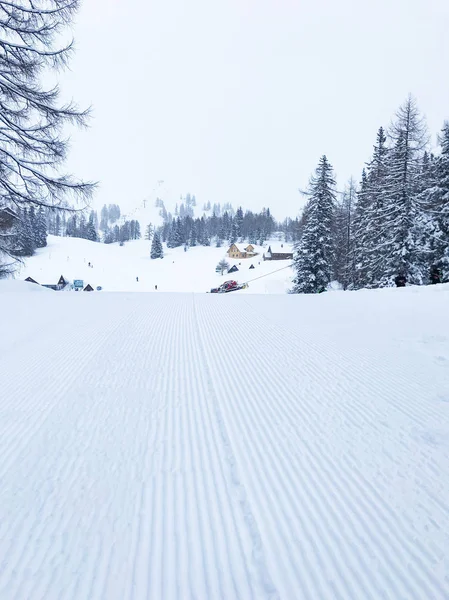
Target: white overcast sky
236, 100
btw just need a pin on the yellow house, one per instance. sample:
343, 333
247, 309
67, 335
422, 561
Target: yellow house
235, 252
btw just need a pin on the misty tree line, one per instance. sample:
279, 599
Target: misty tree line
393, 226
225, 229
90, 228
186, 208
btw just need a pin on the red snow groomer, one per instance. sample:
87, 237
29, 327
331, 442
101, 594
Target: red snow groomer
229, 286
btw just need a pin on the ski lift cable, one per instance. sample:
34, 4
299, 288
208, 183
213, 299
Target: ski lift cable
271, 273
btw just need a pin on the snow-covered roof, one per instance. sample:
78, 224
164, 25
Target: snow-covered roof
242, 247
277, 249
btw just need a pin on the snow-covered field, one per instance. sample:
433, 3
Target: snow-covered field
239, 446
115, 268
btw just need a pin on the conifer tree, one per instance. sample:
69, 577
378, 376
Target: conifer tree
156, 247
370, 250
41, 228
435, 202
58, 230
314, 255
25, 235
238, 223
234, 233
91, 232
400, 210
193, 235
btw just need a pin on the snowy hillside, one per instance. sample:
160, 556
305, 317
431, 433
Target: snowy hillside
184, 446
115, 267
148, 210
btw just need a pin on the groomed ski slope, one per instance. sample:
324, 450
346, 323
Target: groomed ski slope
181, 446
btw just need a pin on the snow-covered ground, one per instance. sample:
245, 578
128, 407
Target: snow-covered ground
115, 267
224, 446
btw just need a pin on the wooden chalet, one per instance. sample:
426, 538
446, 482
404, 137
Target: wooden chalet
270, 255
235, 252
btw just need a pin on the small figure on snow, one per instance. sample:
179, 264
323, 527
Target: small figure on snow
88, 264
435, 274
400, 281
137, 279
155, 287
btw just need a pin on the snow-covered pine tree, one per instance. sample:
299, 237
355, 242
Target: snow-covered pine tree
435, 202
25, 235
234, 232
314, 254
41, 228
424, 226
71, 226
156, 246
370, 249
193, 235
171, 235
108, 236
213, 224
33, 225
238, 222
204, 237
400, 209
125, 232
90, 230
199, 226
174, 238
82, 227
180, 237
361, 224
63, 224
58, 229
226, 225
